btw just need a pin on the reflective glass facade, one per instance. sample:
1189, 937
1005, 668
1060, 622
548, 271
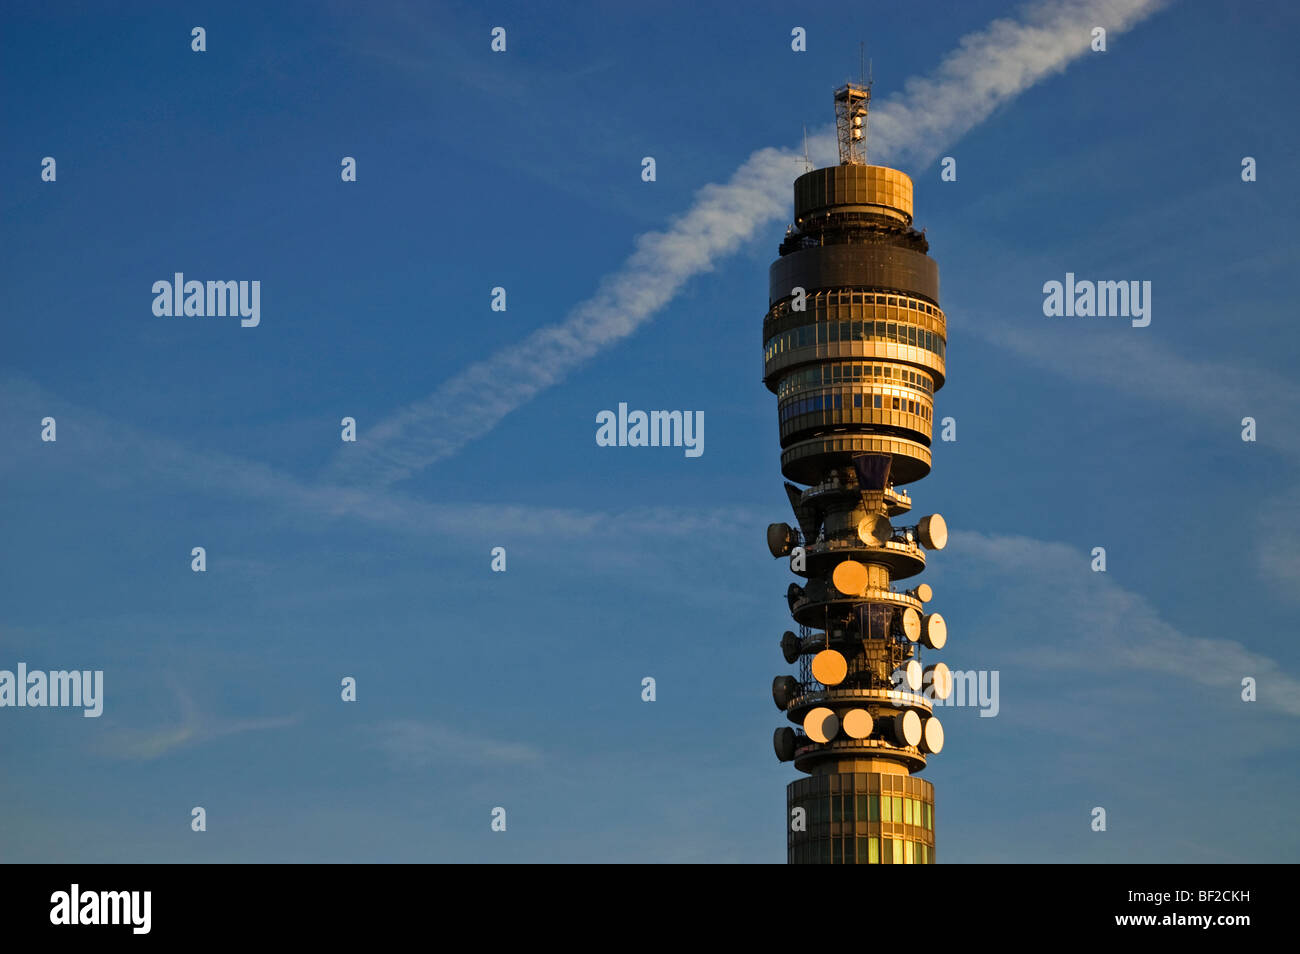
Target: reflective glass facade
835, 332
861, 818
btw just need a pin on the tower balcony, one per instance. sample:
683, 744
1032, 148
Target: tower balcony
810, 459
813, 694
901, 558
807, 753
895, 501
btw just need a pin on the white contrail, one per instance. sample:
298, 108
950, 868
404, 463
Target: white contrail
988, 68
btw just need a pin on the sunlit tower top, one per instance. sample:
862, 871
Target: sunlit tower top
851, 103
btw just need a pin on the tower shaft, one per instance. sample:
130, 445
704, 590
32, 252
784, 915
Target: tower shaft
854, 348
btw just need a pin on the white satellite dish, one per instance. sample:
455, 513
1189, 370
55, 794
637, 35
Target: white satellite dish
905, 728
911, 621
829, 667
932, 736
933, 532
922, 592
934, 631
850, 578
857, 723
821, 724
908, 676
875, 530
912, 674
939, 678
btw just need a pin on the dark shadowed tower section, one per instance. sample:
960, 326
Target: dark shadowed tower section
853, 348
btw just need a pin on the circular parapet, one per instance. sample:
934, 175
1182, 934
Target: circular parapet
806, 461
892, 700
852, 188
902, 559
808, 752
819, 595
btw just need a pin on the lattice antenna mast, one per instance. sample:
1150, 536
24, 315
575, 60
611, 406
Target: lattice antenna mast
851, 103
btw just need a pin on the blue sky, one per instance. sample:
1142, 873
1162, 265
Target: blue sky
477, 428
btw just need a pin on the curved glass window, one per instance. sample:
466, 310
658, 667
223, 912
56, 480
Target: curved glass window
841, 400
845, 372
828, 332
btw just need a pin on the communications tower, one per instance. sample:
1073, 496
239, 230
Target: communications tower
853, 348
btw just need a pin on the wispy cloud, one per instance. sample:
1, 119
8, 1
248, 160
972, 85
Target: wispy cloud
1143, 366
115, 453
412, 744
1217, 392
1089, 621
989, 67
194, 728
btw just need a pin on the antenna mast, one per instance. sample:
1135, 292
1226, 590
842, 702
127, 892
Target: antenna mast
852, 101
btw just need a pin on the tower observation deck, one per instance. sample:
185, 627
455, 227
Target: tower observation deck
853, 348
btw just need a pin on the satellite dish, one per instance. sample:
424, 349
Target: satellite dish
783, 742
829, 667
910, 620
934, 631
932, 736
793, 593
821, 724
933, 532
905, 728
784, 688
922, 592
875, 530
818, 591
780, 538
850, 578
912, 675
790, 646
939, 678
857, 723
